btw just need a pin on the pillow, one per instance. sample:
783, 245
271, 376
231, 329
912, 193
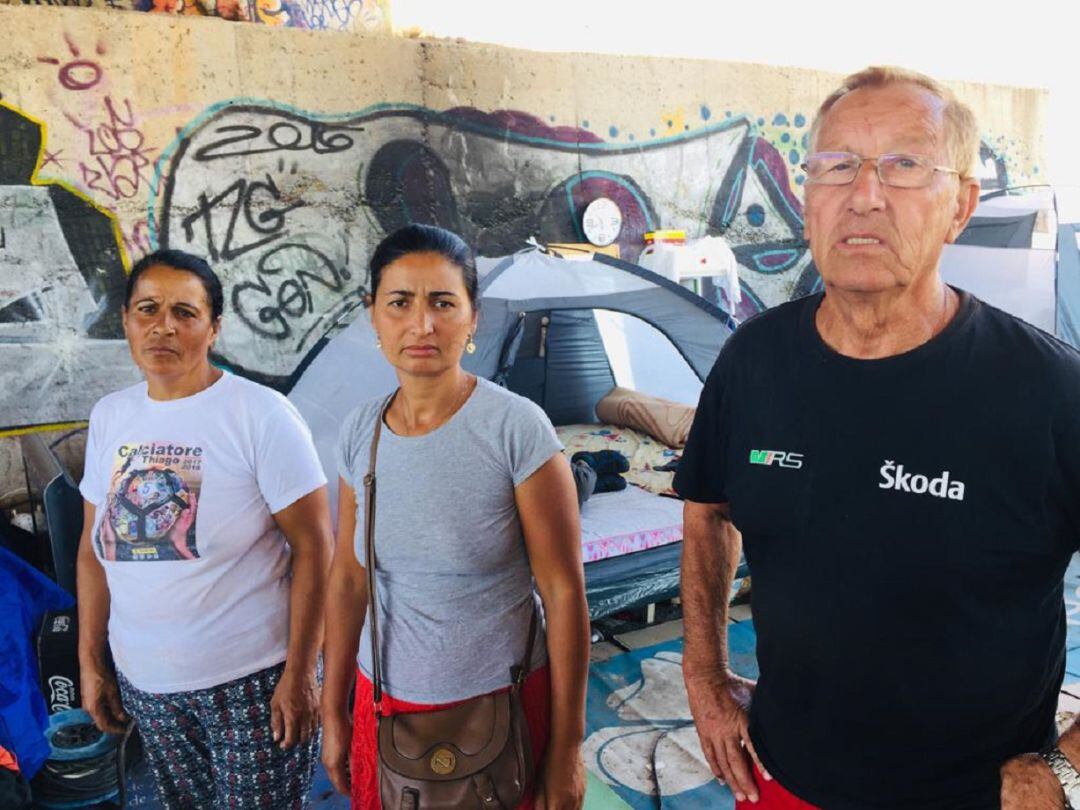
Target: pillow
664, 420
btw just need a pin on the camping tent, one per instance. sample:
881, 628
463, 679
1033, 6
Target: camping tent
563, 333
1068, 284
1003, 259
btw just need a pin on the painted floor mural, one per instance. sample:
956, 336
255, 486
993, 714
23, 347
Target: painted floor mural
640, 738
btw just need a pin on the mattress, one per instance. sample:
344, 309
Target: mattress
644, 453
614, 524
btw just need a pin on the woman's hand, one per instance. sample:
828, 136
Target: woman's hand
101, 699
336, 751
561, 781
294, 708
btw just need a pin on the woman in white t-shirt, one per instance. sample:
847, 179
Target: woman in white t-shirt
203, 559
474, 501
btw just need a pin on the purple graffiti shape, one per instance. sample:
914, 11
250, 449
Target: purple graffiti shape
80, 74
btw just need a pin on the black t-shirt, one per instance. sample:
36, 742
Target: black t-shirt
907, 522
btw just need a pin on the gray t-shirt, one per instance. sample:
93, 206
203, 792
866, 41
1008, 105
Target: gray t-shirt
452, 574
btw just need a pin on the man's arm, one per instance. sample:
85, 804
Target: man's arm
97, 681
1027, 783
294, 709
719, 699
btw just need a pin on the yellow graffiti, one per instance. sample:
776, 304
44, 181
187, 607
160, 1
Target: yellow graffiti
672, 122
49, 428
271, 12
39, 181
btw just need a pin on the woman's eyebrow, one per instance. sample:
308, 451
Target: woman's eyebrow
436, 293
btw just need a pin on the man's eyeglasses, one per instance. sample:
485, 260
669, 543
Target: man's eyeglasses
901, 171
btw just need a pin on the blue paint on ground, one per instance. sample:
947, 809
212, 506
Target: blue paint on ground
602, 714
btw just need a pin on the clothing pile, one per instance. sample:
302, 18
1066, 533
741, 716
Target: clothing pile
600, 471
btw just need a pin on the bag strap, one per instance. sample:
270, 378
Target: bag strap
517, 673
369, 555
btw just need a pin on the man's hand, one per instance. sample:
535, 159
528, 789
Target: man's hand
101, 699
1027, 783
561, 782
336, 751
720, 703
294, 708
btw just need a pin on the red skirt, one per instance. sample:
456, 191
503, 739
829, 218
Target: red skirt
774, 796
364, 760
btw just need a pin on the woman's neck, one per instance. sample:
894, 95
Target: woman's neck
425, 403
178, 386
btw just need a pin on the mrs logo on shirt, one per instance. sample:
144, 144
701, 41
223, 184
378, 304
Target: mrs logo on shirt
781, 458
152, 503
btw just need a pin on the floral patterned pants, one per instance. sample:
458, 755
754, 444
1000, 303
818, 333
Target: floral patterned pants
213, 749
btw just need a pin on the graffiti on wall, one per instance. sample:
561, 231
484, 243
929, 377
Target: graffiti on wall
288, 205
316, 15
61, 286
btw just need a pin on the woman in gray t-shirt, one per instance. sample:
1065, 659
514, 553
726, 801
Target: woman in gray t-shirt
474, 501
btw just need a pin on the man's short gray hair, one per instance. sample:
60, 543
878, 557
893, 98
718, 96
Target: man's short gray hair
961, 129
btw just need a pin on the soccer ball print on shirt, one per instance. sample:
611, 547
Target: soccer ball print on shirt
152, 503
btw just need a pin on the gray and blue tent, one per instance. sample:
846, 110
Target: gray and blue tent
562, 332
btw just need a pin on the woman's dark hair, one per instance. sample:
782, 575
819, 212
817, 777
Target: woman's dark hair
425, 239
179, 260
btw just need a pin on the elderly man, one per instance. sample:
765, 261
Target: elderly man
903, 462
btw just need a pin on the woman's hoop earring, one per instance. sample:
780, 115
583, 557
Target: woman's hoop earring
470, 347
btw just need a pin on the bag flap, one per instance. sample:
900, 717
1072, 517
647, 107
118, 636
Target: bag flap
449, 743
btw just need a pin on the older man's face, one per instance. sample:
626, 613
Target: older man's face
868, 237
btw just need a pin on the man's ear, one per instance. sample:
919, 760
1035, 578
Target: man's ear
967, 200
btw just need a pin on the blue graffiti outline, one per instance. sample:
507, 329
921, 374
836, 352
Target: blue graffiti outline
793, 256
762, 168
735, 196
434, 116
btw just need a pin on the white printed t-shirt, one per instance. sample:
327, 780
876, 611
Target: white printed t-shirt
185, 490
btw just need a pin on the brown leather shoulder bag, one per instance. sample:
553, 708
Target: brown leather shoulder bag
473, 755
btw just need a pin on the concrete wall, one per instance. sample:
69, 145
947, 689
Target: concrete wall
285, 155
